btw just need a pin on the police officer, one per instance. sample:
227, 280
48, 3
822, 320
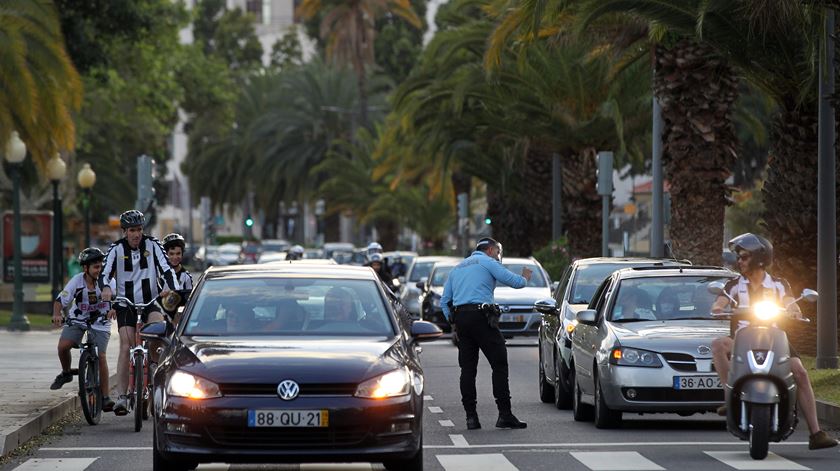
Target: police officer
467, 302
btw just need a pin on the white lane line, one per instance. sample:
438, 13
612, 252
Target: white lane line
56, 464
458, 441
435, 410
213, 467
606, 445
741, 460
428, 398
446, 423
615, 461
490, 462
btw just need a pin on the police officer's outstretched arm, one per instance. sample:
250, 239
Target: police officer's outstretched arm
503, 275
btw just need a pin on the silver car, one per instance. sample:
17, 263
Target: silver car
518, 314
644, 345
418, 271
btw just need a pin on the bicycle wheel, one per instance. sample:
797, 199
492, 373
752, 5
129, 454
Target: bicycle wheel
138, 391
90, 394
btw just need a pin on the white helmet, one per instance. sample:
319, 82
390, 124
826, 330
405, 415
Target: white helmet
296, 249
374, 247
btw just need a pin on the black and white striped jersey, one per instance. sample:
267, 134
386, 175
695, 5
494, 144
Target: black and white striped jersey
84, 302
185, 280
137, 271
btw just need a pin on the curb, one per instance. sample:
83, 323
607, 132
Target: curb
828, 413
11, 440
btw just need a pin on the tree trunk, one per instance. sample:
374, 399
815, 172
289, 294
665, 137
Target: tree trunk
697, 91
581, 204
388, 231
332, 227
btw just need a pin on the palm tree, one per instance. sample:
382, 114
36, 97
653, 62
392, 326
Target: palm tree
348, 28
39, 87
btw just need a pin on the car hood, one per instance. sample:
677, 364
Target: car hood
669, 335
310, 360
528, 295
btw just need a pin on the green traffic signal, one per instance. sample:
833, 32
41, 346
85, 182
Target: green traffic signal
487, 221
249, 222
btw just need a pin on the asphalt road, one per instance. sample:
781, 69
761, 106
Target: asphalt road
552, 441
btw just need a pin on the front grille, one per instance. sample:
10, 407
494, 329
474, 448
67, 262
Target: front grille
511, 325
289, 437
270, 389
680, 361
675, 395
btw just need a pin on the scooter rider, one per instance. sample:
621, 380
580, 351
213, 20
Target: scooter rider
377, 262
755, 255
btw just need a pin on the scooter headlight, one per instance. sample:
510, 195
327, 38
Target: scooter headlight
765, 310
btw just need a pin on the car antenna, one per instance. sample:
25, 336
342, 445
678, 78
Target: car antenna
669, 250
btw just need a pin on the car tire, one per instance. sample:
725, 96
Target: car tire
415, 463
546, 389
604, 416
562, 394
159, 463
580, 411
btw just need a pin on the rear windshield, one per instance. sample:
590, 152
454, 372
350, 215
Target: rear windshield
289, 307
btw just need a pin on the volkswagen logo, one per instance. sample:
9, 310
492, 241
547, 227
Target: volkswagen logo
288, 390
704, 350
505, 308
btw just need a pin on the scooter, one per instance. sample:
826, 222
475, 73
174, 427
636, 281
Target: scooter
760, 392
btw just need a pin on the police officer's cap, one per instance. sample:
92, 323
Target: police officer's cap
486, 242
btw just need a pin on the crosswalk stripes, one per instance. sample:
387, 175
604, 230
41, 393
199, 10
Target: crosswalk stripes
484, 462
56, 464
741, 460
615, 461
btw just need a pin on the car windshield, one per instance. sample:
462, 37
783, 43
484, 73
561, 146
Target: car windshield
440, 275
589, 277
537, 280
421, 270
664, 298
289, 307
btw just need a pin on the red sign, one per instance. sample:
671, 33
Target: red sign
35, 245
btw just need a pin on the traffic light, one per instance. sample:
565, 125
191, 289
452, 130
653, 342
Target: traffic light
249, 221
487, 220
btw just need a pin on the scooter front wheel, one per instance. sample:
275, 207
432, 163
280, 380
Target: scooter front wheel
760, 430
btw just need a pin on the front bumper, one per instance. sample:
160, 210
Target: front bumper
654, 390
359, 430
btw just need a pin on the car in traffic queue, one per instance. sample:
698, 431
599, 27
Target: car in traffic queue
572, 295
289, 362
519, 317
415, 278
643, 345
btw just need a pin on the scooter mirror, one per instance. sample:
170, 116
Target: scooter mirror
810, 295
716, 287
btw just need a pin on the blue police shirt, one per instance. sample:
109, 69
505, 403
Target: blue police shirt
474, 279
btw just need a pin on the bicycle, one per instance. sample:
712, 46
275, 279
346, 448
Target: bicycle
139, 372
90, 386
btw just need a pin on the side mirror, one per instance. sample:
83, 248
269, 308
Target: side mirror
421, 285
423, 331
810, 295
716, 287
546, 306
154, 331
586, 317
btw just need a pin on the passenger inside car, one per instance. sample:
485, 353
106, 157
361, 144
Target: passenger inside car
339, 306
668, 305
289, 315
240, 320
633, 303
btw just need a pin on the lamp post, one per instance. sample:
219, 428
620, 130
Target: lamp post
57, 170
86, 179
15, 153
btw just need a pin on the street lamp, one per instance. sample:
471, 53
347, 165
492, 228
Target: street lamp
57, 170
15, 153
86, 179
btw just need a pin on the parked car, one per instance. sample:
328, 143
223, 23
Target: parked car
418, 270
644, 345
572, 295
297, 362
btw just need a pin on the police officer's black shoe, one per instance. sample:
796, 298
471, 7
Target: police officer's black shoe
473, 423
510, 421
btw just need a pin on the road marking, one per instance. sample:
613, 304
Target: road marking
741, 460
56, 464
97, 448
615, 461
335, 466
435, 410
213, 467
490, 462
606, 445
428, 398
446, 423
458, 441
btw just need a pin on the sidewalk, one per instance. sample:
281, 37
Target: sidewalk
28, 365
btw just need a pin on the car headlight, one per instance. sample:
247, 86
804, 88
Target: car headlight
623, 356
183, 384
765, 310
392, 384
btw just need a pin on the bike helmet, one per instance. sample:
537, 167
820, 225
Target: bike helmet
91, 255
759, 248
374, 247
132, 218
295, 253
174, 240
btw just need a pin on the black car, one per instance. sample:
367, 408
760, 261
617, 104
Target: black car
577, 285
289, 363
431, 293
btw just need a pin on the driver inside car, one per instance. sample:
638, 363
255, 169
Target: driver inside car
633, 303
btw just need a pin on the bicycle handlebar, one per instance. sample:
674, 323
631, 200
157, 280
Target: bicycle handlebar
125, 301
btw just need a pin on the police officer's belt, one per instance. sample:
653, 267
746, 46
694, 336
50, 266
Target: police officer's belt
471, 307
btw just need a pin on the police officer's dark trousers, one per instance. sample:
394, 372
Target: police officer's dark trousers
475, 334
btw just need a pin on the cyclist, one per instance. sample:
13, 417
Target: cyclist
136, 262
174, 246
83, 291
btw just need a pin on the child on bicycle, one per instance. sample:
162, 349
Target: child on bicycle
83, 291
174, 246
